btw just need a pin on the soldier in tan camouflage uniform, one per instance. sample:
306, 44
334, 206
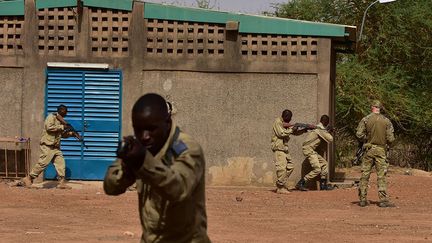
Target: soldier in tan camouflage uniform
50, 149
282, 130
316, 141
168, 167
377, 133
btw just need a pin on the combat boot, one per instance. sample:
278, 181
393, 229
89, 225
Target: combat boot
282, 190
301, 185
26, 181
386, 204
62, 184
324, 186
363, 203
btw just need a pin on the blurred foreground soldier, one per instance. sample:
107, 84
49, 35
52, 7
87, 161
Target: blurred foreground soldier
311, 149
168, 168
377, 132
53, 131
282, 130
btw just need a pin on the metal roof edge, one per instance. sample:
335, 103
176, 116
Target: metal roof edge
248, 23
41, 4
111, 4
12, 8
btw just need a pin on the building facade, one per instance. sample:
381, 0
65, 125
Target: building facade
227, 75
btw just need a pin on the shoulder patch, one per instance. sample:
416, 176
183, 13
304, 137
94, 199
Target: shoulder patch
179, 147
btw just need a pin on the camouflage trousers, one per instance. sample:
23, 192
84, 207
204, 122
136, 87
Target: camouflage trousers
375, 156
284, 167
48, 154
319, 166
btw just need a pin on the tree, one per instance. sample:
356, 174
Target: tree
207, 4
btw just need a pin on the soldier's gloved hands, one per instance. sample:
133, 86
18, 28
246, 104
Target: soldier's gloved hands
286, 125
132, 153
311, 127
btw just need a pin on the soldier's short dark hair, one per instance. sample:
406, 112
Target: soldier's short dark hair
61, 107
325, 119
155, 102
287, 114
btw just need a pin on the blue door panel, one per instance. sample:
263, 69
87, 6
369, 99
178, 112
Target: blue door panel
93, 99
94, 168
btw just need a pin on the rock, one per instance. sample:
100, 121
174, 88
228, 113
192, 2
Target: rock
239, 199
128, 233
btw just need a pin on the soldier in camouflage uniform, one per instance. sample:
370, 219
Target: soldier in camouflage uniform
282, 130
377, 133
316, 141
50, 149
168, 167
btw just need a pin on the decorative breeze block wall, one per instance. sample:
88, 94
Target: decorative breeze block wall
57, 31
11, 34
109, 32
279, 47
173, 38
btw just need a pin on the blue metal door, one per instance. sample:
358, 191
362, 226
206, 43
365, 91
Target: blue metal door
93, 99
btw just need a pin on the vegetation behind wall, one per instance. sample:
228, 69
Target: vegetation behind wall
392, 64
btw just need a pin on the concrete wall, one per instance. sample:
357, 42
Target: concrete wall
231, 115
228, 101
11, 101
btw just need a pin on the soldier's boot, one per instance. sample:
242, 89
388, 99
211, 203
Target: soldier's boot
386, 204
363, 203
26, 181
324, 186
301, 185
62, 184
282, 190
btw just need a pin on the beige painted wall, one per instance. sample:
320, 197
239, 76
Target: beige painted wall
231, 115
11, 101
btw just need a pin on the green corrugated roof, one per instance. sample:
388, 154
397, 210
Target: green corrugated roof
248, 23
12, 8
111, 4
55, 3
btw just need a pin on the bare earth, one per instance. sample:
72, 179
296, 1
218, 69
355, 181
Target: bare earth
85, 214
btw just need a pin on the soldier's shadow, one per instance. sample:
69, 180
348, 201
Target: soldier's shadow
370, 202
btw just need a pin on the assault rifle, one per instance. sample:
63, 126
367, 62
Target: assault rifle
359, 154
299, 126
305, 126
71, 129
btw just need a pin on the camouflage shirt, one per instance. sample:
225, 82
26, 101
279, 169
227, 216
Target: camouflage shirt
376, 129
171, 191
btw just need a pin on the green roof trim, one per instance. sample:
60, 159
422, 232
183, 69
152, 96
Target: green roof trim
40, 4
112, 4
248, 23
12, 8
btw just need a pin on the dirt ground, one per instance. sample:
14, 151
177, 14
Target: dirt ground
86, 214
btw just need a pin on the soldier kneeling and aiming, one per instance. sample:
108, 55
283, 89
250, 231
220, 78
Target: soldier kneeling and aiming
312, 143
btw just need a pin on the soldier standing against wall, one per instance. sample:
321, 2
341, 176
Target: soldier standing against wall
282, 130
377, 133
310, 146
53, 131
168, 167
